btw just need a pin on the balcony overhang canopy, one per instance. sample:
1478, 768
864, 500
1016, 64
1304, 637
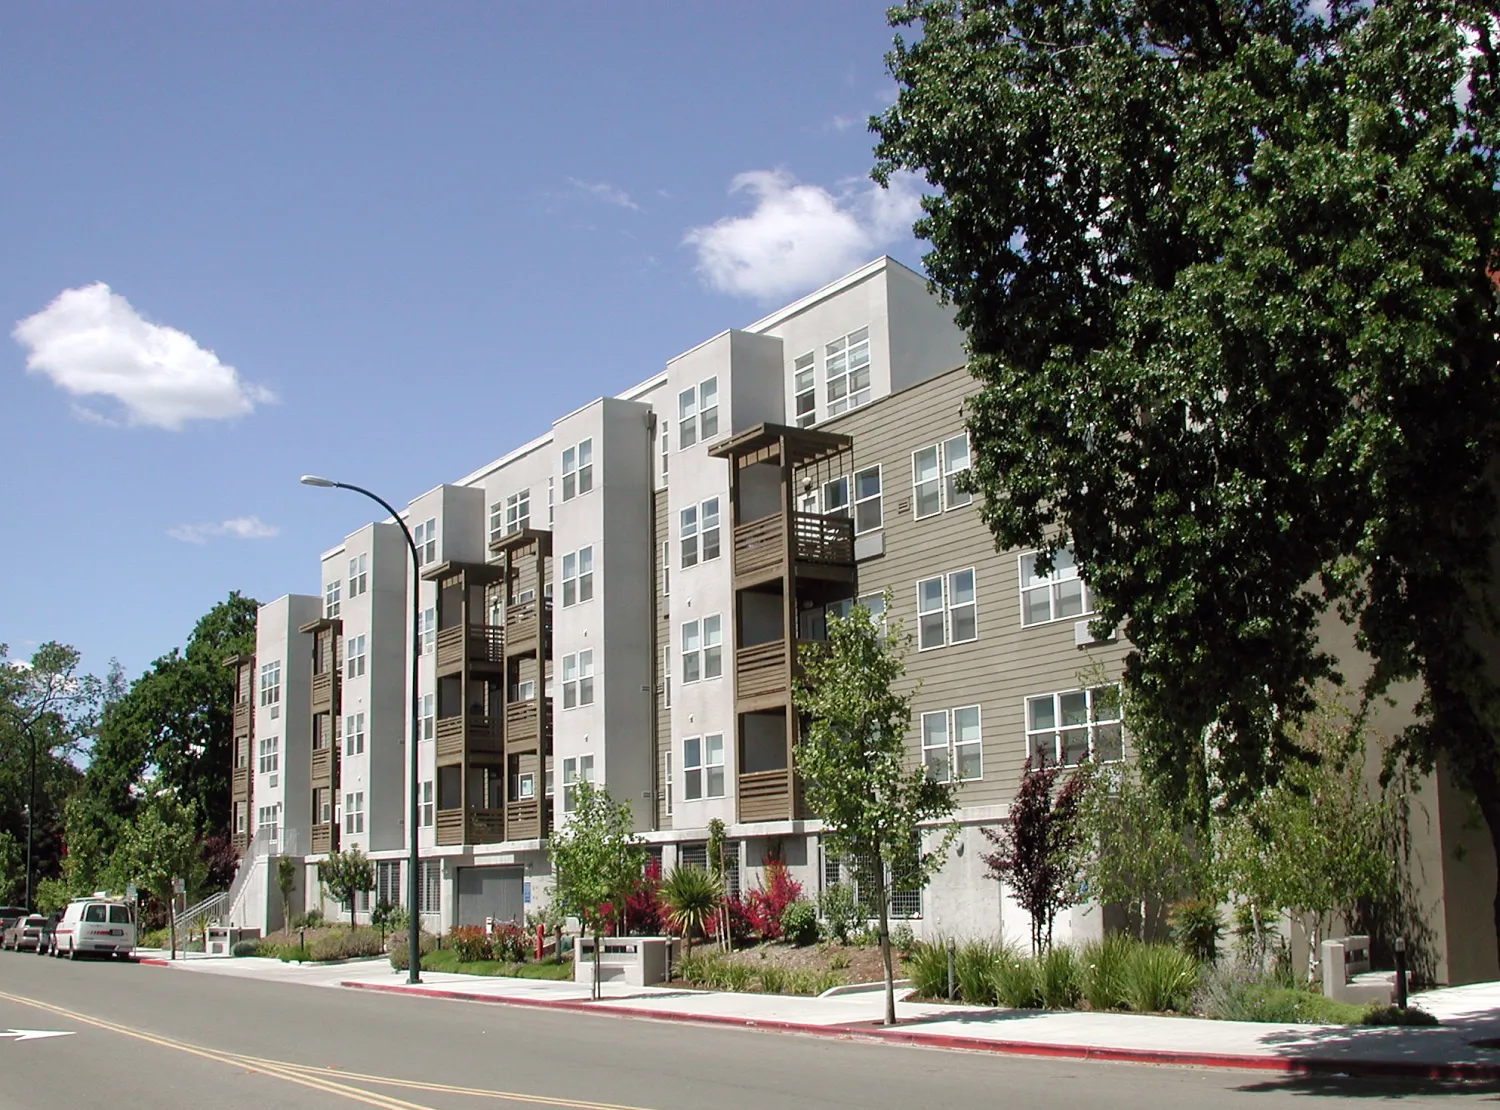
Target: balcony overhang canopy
794, 447
238, 660
475, 574
522, 539
320, 624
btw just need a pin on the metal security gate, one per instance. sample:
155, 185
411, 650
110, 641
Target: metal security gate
490, 892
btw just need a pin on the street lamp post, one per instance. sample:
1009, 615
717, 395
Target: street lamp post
414, 919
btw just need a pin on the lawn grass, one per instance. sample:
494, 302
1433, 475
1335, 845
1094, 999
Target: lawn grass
446, 959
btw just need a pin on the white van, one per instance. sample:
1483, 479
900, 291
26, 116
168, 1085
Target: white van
94, 925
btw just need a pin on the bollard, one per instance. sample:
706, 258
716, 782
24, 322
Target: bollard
1401, 972
951, 991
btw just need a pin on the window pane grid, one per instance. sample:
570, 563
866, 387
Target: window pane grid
1068, 727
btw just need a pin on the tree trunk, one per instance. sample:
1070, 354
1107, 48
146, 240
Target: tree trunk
1484, 782
596, 964
172, 923
885, 944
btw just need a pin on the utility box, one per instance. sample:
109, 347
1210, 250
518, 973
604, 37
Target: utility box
633, 961
220, 941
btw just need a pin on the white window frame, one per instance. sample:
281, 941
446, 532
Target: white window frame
805, 388
578, 577
429, 716
699, 533
424, 535
518, 511
698, 413
947, 608
666, 677
1053, 584
703, 774
429, 803
268, 755
843, 360
875, 604
666, 569
270, 688
868, 504
942, 757
578, 469
355, 648
331, 598
354, 813
578, 679
664, 434
427, 630
354, 734
1053, 737
359, 575
703, 648
671, 787
937, 482
575, 770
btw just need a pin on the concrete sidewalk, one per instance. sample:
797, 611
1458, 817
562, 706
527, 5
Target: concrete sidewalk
1469, 1015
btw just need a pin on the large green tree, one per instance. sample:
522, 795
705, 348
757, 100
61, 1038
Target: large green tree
1226, 272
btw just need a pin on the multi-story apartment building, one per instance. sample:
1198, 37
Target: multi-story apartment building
620, 601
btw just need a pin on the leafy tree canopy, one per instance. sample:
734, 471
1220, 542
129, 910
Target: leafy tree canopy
1225, 270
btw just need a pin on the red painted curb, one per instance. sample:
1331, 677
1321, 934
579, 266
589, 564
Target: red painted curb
153, 961
1307, 1065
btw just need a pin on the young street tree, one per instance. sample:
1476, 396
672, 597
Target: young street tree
597, 859
158, 846
1226, 273
1037, 851
347, 874
857, 775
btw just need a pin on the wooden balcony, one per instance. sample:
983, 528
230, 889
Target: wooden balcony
320, 767
527, 627
528, 725
240, 842
822, 546
241, 717
474, 735
477, 646
470, 826
768, 796
324, 839
526, 820
322, 692
239, 782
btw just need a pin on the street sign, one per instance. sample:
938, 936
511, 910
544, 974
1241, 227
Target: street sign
179, 886
19, 1035
130, 892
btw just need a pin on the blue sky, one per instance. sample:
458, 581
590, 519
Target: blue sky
382, 241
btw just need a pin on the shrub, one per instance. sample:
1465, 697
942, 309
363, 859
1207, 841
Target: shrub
840, 912
1158, 978
903, 940
508, 942
800, 982
732, 976
246, 948
1014, 982
737, 910
388, 917
799, 923
825, 981
1395, 1015
330, 946
700, 971
1057, 975
398, 944
927, 968
1102, 971
293, 954
312, 919
768, 901
974, 970
689, 896
772, 979
1196, 928
362, 943
838, 961
470, 944
642, 906
156, 938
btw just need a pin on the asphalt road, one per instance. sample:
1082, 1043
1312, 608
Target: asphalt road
161, 1038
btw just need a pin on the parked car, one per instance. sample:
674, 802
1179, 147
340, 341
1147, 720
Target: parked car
92, 926
25, 935
9, 915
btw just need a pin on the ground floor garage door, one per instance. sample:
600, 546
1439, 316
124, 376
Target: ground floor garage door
490, 892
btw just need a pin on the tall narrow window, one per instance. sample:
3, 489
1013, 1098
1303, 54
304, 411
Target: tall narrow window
354, 812
846, 370
578, 469
427, 630
578, 576
709, 529
836, 497
1046, 597
692, 653
518, 512
963, 623
804, 390
692, 768
354, 734
354, 656
867, 514
664, 434
687, 534
931, 630
955, 465
926, 482
359, 575
425, 537
429, 716
270, 688
698, 413
666, 677
331, 592
578, 679
666, 569
670, 786
713, 646
429, 805
935, 754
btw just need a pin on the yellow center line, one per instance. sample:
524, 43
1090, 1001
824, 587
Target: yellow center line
315, 1078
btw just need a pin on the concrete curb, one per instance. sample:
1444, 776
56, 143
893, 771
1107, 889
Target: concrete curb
1293, 1065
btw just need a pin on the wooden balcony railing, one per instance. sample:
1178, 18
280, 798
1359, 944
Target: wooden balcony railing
324, 838
470, 826
759, 545
322, 692
760, 669
239, 782
766, 795
240, 842
467, 645
320, 767
823, 539
457, 735
527, 724
526, 625
241, 716
525, 820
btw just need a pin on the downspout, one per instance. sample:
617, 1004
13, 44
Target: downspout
653, 617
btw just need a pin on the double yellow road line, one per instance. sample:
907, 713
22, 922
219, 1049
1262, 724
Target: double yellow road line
318, 1079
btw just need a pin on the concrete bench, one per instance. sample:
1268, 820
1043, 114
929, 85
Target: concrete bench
1347, 976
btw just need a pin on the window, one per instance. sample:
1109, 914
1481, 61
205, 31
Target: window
578, 470
867, 516
666, 569
703, 649
429, 716
322, 806
670, 791
425, 537
1069, 727
836, 497
239, 817
429, 805
804, 390
523, 787
359, 578
666, 677
946, 610
354, 656
951, 748
703, 767
331, 592
426, 630
354, 734
518, 512
698, 414
1048, 597
575, 771
578, 576
935, 473
268, 822
664, 433
698, 531
846, 370
354, 812
429, 885
270, 755
875, 603
388, 882
549, 503
270, 688
578, 679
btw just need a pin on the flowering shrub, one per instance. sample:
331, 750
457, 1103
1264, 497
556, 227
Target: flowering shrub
740, 925
470, 943
776, 891
643, 913
508, 942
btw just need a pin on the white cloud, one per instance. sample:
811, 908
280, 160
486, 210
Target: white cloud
603, 192
800, 236
238, 528
91, 342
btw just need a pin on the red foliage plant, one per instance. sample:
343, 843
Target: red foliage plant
776, 891
643, 916
741, 927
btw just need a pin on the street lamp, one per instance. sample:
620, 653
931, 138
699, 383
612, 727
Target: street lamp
414, 919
